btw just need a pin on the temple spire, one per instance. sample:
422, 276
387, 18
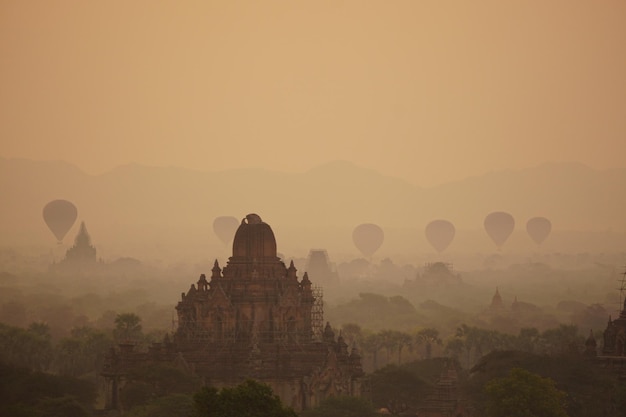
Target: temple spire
216, 271
496, 301
82, 238
291, 271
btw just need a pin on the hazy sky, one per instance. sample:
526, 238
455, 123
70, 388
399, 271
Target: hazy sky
424, 90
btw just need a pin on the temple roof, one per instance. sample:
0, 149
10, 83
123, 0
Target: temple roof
254, 239
82, 238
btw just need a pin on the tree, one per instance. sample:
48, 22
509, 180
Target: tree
397, 385
562, 340
69, 357
524, 394
455, 347
179, 405
372, 344
30, 348
249, 399
428, 337
145, 384
352, 332
62, 407
341, 407
389, 341
474, 340
83, 352
527, 339
27, 393
127, 327
403, 339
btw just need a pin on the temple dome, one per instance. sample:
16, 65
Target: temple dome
254, 239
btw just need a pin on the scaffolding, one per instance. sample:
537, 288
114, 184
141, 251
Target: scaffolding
317, 313
622, 291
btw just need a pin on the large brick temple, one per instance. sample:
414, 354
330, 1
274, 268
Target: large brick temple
253, 318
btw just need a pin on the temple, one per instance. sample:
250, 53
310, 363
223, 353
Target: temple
446, 399
83, 250
80, 257
497, 306
615, 335
253, 318
319, 267
435, 274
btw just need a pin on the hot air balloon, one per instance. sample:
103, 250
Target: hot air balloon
440, 234
225, 227
367, 238
538, 229
499, 226
60, 216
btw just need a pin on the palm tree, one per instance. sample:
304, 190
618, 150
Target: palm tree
372, 344
69, 357
562, 340
403, 339
469, 336
428, 337
127, 327
389, 341
40, 349
455, 347
528, 339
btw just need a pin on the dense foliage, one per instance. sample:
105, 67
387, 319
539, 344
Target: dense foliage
32, 393
404, 387
341, 407
524, 394
249, 399
592, 389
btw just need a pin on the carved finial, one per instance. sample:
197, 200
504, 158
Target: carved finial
202, 283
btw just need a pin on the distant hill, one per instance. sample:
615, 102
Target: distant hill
135, 203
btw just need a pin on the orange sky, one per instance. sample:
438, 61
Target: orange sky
429, 91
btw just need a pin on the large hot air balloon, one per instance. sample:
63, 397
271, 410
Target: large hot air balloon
60, 216
440, 234
538, 229
499, 226
225, 227
367, 238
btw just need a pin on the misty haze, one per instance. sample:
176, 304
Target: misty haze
312, 209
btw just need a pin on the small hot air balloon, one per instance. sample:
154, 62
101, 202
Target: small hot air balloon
60, 216
499, 226
538, 229
225, 227
440, 234
367, 238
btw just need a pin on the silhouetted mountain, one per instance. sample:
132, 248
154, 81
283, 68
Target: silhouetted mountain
169, 203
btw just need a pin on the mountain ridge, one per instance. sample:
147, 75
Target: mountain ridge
137, 200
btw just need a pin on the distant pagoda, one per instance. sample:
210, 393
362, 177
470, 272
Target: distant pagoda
319, 267
615, 332
81, 255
